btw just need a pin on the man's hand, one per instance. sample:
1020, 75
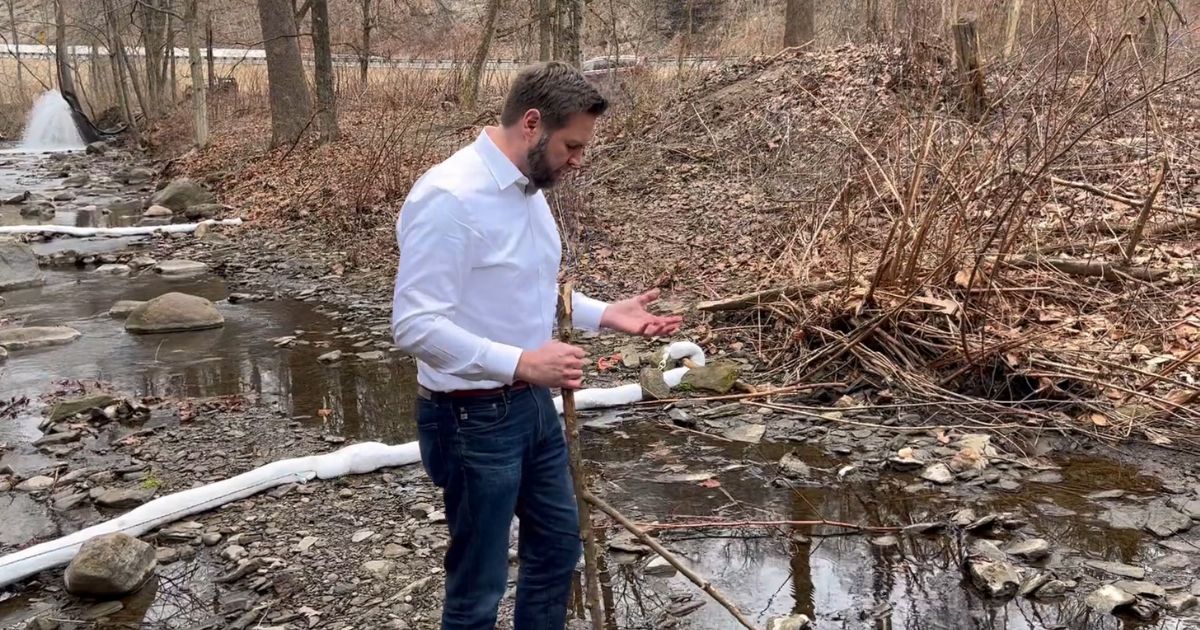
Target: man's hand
630, 316
555, 364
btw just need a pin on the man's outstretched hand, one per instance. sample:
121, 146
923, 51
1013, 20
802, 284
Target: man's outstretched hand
630, 316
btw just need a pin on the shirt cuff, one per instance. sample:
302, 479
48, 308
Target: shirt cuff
500, 362
586, 312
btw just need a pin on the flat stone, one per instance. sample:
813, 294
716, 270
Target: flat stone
330, 357
1046, 476
988, 550
654, 386
36, 484
995, 579
717, 377
793, 622
1052, 589
1164, 521
174, 312
142, 262
937, 473
749, 433
306, 543
57, 438
113, 270
1191, 509
36, 337
792, 466
1032, 549
392, 551
234, 553
1033, 583
630, 358
1105, 494
379, 569
1181, 602
1107, 598
886, 542
1117, 568
103, 609
124, 498
659, 566
210, 538
68, 408
1124, 517
166, 555
158, 212
374, 355
180, 267
362, 535
122, 309
1141, 589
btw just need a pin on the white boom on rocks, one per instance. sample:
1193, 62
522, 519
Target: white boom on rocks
355, 459
70, 230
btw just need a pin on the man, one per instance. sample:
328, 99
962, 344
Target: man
475, 300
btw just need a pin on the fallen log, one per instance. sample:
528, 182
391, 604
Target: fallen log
747, 300
1097, 268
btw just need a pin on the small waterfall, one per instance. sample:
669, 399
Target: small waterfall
50, 126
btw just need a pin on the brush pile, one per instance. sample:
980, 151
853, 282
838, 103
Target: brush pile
841, 218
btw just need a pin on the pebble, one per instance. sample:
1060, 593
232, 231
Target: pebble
234, 552
361, 535
211, 538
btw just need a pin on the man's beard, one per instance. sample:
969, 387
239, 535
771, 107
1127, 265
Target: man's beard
541, 176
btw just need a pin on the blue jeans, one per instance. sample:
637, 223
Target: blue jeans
494, 457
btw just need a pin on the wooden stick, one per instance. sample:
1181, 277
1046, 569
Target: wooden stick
578, 472
733, 524
1136, 235
779, 391
647, 540
747, 300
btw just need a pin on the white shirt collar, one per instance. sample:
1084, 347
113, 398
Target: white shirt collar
502, 169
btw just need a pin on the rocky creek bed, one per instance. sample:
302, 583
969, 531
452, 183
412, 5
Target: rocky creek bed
978, 527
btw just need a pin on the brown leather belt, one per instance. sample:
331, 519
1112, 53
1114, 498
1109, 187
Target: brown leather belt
429, 394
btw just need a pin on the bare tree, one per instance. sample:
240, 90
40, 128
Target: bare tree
798, 20
364, 53
115, 54
470, 90
1012, 22
571, 31
153, 19
65, 82
323, 54
12, 22
545, 29
291, 110
208, 42
196, 66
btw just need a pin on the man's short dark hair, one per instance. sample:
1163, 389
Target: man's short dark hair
555, 89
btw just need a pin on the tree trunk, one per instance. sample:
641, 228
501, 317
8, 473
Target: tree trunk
1152, 25
12, 21
65, 82
174, 83
118, 69
364, 53
196, 65
152, 59
208, 41
970, 67
470, 91
545, 29
323, 61
291, 110
798, 29
575, 47
1012, 23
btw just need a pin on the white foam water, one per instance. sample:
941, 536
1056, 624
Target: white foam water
50, 126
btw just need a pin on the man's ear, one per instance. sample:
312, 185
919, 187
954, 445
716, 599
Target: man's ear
531, 123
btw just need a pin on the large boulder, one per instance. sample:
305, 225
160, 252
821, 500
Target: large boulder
18, 266
36, 337
110, 566
181, 194
174, 312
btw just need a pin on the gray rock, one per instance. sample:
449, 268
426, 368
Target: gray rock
361, 535
374, 355
17, 199
886, 542
306, 543
142, 262
330, 357
180, 267
136, 175
158, 212
124, 498
1032, 549
116, 270
64, 195
101, 610
42, 622
654, 387
110, 566
392, 551
18, 266
210, 538
203, 211
792, 466
630, 357
96, 148
67, 408
1124, 517
937, 473
1175, 562
1032, 584
3, 352
1163, 521
749, 433
1108, 598
1141, 589
794, 622
78, 179
1105, 494
123, 308
1180, 602
995, 579
717, 377
660, 567
166, 555
233, 553
35, 484
57, 438
987, 550
181, 194
1191, 508
1046, 476
1052, 589
1117, 568
174, 312
36, 337
379, 569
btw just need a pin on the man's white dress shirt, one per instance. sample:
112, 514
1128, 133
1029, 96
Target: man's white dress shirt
477, 281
